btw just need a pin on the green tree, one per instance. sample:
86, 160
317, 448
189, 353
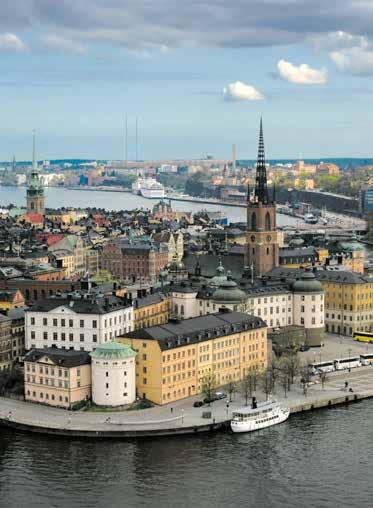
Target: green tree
208, 385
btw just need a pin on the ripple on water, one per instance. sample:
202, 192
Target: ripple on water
321, 459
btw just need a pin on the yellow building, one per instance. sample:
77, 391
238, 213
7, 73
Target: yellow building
11, 299
348, 301
151, 310
57, 377
173, 359
64, 259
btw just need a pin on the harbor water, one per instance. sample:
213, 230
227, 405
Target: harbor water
317, 459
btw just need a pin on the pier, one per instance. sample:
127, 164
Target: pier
179, 418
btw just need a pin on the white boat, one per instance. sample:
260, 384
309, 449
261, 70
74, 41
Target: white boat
309, 218
259, 416
148, 188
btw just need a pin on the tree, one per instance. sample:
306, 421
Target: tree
284, 380
305, 378
266, 382
232, 388
323, 376
246, 386
208, 385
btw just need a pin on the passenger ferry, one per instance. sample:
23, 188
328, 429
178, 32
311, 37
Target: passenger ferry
259, 416
148, 188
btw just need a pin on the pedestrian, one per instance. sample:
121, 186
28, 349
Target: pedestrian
108, 419
69, 419
9, 415
172, 409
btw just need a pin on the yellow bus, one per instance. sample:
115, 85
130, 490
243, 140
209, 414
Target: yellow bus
363, 336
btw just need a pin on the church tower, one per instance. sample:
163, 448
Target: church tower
262, 252
35, 192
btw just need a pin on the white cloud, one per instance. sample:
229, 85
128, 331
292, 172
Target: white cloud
239, 91
338, 40
357, 61
302, 75
55, 42
10, 43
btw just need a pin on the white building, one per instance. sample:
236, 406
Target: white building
113, 374
76, 321
308, 307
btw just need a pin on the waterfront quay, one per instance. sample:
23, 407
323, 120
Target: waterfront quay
180, 417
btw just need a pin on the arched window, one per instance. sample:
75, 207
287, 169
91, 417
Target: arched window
253, 222
176, 309
268, 222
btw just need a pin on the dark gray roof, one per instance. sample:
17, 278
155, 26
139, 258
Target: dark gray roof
87, 304
298, 253
198, 329
339, 276
148, 300
61, 357
232, 262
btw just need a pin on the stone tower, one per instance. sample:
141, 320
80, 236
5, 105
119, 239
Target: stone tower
35, 191
262, 252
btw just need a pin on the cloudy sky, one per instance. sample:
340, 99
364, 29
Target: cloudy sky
197, 74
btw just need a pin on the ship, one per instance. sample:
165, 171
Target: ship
148, 188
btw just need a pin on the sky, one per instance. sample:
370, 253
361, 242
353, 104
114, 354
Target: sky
197, 75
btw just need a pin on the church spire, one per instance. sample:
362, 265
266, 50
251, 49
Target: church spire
261, 190
34, 163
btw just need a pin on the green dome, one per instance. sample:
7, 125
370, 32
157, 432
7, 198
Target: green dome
228, 292
220, 276
307, 283
113, 350
353, 246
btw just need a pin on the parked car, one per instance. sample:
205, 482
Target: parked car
304, 347
198, 403
220, 395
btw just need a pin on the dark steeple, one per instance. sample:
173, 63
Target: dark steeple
261, 190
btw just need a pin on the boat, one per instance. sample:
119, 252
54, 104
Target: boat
258, 416
148, 188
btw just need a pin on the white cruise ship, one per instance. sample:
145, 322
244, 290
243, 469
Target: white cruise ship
259, 416
148, 188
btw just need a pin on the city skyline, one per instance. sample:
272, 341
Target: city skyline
197, 77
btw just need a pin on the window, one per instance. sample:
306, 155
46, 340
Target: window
55, 336
94, 323
71, 323
82, 323
33, 335
144, 381
107, 385
94, 338
78, 372
45, 321
144, 356
107, 374
71, 337
54, 322
82, 337
32, 320
45, 335
63, 336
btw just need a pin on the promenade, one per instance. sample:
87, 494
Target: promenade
178, 418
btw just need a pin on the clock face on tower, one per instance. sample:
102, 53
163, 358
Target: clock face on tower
269, 238
252, 238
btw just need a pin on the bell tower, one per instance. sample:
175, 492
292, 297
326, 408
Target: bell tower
35, 191
262, 248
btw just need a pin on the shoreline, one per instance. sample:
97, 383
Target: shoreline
113, 429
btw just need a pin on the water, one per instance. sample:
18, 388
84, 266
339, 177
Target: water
321, 459
59, 197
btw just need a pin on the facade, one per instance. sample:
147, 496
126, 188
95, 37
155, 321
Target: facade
308, 307
113, 374
174, 242
130, 262
64, 259
17, 317
57, 378
5, 342
262, 250
151, 310
75, 246
76, 321
173, 359
348, 301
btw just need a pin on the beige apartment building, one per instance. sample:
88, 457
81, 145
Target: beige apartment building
57, 377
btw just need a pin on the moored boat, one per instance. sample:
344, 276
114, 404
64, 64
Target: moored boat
259, 416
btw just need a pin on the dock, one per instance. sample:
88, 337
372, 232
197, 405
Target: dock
180, 418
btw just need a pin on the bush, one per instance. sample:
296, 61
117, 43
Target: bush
12, 381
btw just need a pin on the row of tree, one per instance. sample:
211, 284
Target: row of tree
280, 372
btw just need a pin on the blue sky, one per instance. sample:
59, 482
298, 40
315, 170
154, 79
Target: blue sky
72, 69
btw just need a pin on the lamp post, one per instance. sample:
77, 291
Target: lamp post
349, 361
